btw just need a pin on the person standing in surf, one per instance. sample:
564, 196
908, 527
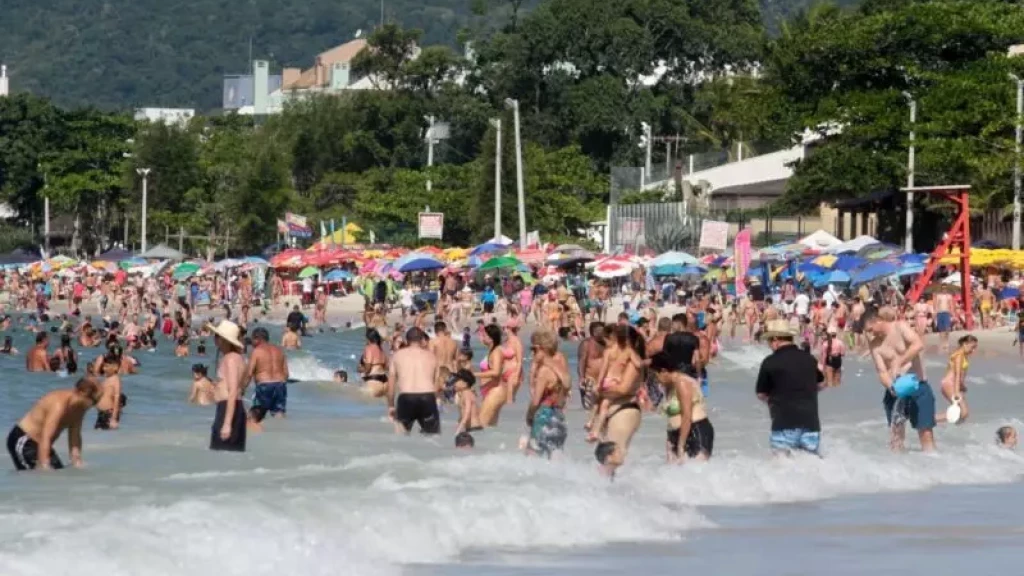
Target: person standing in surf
229, 422
268, 369
944, 318
624, 414
789, 381
690, 433
953, 383
30, 442
494, 377
896, 349
550, 384
412, 390
588, 361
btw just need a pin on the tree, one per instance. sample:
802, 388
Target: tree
29, 127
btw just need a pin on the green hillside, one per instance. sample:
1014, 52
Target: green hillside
127, 53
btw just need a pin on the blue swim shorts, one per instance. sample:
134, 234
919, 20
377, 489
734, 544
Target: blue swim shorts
796, 439
271, 397
943, 322
919, 407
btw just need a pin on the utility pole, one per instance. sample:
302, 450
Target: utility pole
46, 215
649, 140
909, 246
144, 172
496, 122
430, 149
514, 104
1016, 161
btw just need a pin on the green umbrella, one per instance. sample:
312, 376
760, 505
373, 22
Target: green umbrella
185, 270
500, 262
309, 272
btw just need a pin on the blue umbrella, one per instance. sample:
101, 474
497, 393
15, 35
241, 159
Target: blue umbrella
677, 270
913, 258
417, 263
874, 271
488, 248
910, 269
674, 259
338, 275
256, 260
811, 268
474, 262
831, 277
848, 262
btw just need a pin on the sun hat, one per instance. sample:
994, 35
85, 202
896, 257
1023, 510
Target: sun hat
905, 385
228, 331
777, 329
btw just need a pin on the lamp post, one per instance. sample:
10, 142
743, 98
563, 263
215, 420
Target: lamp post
496, 122
514, 105
909, 247
144, 172
1016, 161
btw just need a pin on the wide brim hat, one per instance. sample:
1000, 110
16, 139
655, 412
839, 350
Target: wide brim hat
228, 331
778, 329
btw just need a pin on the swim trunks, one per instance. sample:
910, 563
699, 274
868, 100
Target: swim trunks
420, 408
834, 362
236, 441
103, 417
919, 407
587, 393
943, 322
795, 439
700, 439
24, 451
548, 431
271, 397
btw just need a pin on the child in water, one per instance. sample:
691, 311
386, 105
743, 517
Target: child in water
181, 350
202, 392
1006, 437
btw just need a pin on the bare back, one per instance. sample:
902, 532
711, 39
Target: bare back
268, 364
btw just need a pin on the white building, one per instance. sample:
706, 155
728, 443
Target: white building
4, 83
179, 116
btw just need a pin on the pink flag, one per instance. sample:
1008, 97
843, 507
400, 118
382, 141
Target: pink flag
741, 260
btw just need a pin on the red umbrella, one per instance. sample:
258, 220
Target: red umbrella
290, 258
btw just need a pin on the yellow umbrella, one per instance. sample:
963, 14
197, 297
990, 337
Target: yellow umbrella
825, 260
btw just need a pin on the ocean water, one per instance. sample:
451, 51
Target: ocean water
332, 491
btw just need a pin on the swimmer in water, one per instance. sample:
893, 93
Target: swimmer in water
30, 442
108, 409
181, 350
8, 348
203, 392
1006, 437
340, 377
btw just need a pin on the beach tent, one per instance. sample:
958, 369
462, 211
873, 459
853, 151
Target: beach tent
820, 240
114, 255
854, 245
162, 252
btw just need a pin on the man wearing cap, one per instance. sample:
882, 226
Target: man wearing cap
228, 433
268, 368
788, 382
896, 349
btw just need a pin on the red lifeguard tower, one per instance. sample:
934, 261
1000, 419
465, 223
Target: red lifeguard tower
958, 236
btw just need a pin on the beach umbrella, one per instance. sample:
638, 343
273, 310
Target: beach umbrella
256, 260
338, 275
309, 272
848, 262
185, 270
674, 259
612, 269
910, 269
874, 271
488, 248
500, 262
831, 277
416, 262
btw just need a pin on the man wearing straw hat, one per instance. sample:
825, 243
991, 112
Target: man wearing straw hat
789, 381
228, 433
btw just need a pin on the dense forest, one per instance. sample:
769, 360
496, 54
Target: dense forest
841, 72
133, 53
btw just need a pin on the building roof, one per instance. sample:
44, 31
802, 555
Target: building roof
766, 188
305, 80
342, 53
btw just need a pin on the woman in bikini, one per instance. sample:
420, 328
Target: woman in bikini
830, 358
494, 376
624, 415
954, 387
374, 366
922, 313
618, 356
549, 390
513, 365
689, 433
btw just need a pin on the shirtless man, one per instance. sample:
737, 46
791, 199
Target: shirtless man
896, 349
444, 348
412, 377
38, 357
944, 318
30, 442
112, 400
588, 359
857, 323
229, 422
290, 339
268, 368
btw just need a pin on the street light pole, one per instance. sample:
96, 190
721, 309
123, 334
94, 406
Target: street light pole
909, 247
496, 122
144, 172
1016, 161
514, 104
430, 150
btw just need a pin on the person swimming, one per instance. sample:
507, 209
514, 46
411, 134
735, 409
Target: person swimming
1006, 437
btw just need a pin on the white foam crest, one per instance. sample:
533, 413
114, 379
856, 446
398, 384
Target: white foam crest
747, 357
735, 480
367, 530
308, 369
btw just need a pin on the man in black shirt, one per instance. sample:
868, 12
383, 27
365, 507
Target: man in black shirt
682, 345
296, 321
788, 382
